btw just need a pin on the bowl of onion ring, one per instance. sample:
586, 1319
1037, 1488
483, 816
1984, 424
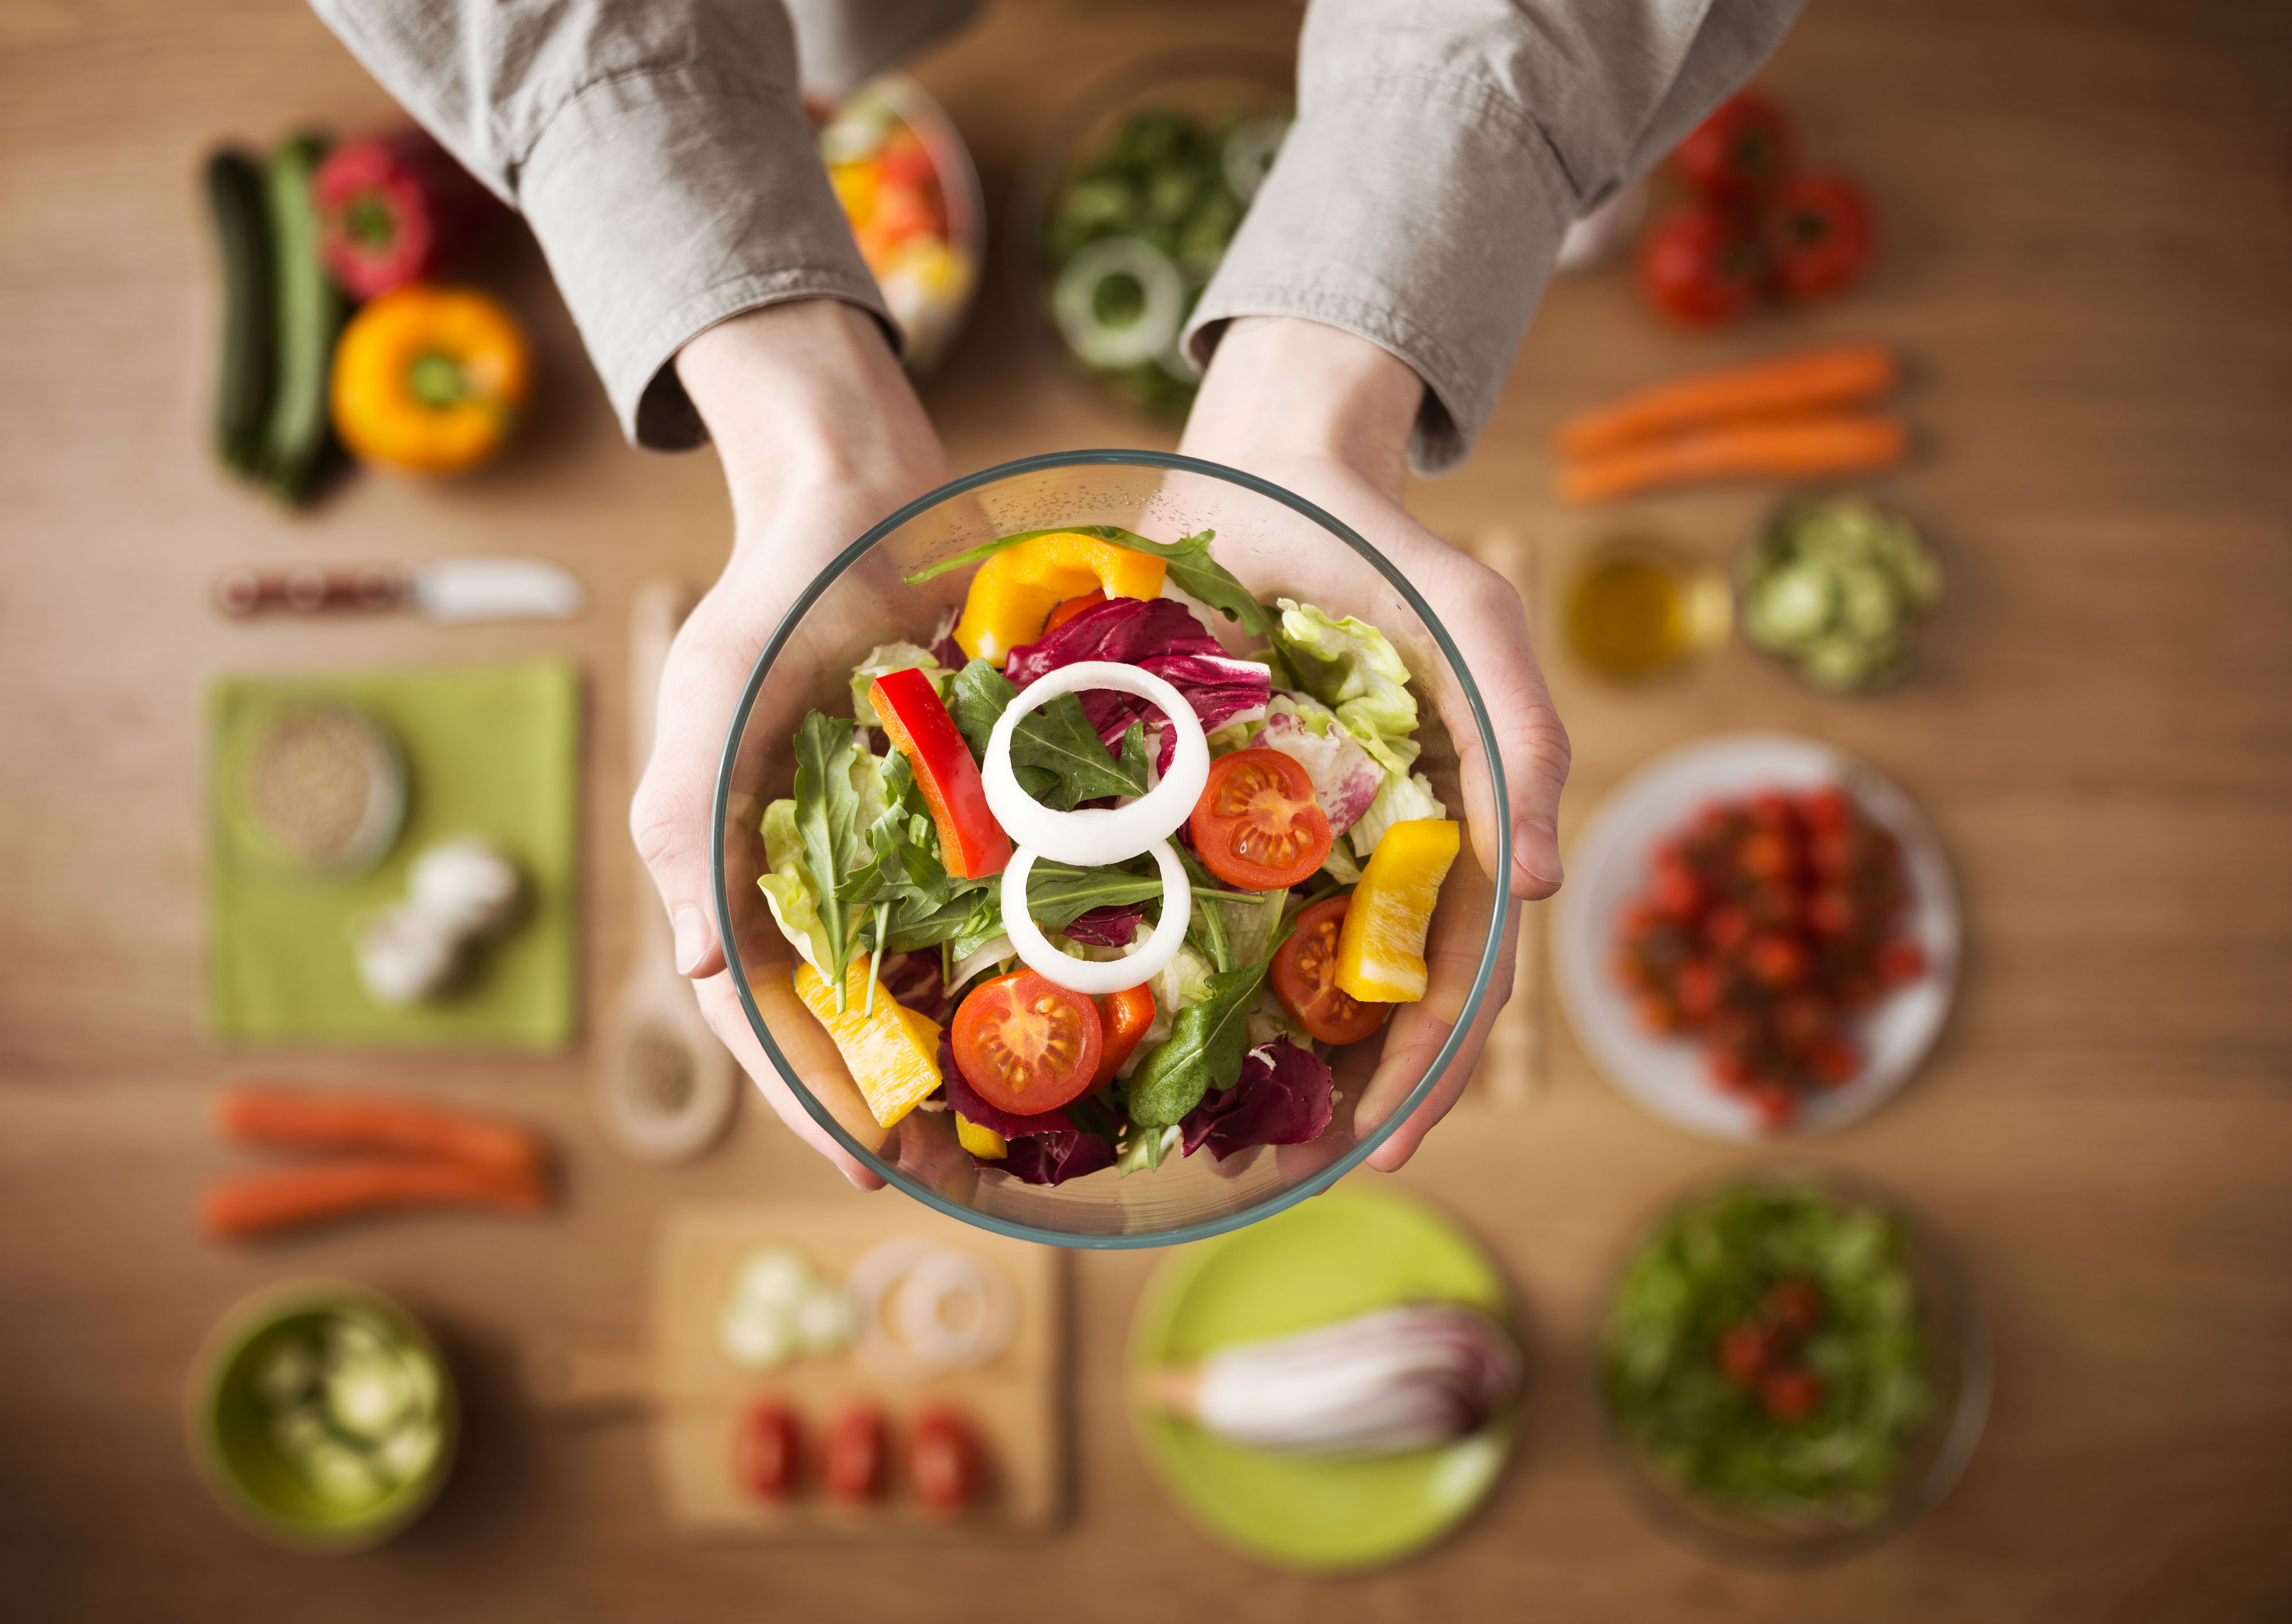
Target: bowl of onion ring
1276, 544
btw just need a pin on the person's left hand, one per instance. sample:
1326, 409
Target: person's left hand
1327, 414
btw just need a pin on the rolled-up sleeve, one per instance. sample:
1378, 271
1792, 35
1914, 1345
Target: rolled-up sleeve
658, 150
1441, 150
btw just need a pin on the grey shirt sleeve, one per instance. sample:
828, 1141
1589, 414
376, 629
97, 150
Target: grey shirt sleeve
1441, 151
657, 149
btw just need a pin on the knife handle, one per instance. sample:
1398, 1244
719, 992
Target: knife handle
309, 590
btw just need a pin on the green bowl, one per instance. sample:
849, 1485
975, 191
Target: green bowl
231, 1430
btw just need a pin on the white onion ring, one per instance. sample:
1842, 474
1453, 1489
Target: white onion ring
1095, 837
903, 1288
1096, 977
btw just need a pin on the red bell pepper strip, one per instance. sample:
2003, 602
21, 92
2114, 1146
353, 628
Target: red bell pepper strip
970, 842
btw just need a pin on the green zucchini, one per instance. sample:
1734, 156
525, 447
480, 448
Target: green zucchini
298, 442
243, 383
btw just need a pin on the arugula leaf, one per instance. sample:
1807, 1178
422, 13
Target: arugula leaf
1055, 755
1202, 1054
1191, 566
1058, 895
827, 820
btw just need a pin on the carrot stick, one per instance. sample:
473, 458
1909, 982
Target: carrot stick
1837, 375
249, 1205
1786, 448
302, 1119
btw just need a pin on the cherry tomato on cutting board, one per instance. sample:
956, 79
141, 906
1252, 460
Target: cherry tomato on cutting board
946, 1465
1818, 231
1123, 1018
1257, 825
767, 1450
1703, 266
1745, 146
1027, 1043
855, 1454
1305, 979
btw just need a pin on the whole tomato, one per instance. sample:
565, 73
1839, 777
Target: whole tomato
1744, 148
1702, 266
1817, 233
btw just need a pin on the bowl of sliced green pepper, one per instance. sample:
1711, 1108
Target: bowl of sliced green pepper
1791, 1369
322, 1417
1838, 588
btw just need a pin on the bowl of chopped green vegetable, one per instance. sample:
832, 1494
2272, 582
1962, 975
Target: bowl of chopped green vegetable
1838, 587
1129, 205
1093, 843
1792, 1367
321, 1416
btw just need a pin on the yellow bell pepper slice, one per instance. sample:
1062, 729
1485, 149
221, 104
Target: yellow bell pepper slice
1015, 591
983, 1143
891, 1053
1381, 950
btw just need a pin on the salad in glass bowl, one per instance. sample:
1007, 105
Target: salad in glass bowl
1060, 858
1134, 205
906, 184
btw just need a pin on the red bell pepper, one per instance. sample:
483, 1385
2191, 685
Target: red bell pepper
395, 209
970, 842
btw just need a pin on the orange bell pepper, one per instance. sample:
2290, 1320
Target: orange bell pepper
1014, 592
891, 1052
1381, 946
983, 1143
430, 378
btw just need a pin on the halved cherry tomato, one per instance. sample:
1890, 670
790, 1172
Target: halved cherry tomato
971, 841
767, 1458
1027, 1043
1257, 825
1123, 1019
946, 1465
855, 1454
1305, 979
1072, 607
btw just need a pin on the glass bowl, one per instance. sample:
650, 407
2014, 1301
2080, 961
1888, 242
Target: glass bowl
1211, 89
1960, 1367
1278, 544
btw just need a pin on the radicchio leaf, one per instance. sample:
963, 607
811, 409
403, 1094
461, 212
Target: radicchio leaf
1346, 777
915, 980
1052, 1159
1106, 927
1282, 1098
1157, 635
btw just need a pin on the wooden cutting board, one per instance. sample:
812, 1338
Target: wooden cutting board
1016, 1400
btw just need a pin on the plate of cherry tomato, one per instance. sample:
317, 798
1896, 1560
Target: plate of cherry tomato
1759, 938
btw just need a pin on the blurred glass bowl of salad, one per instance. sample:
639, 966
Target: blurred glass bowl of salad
906, 184
1792, 1368
1171, 1038
1130, 206
1836, 586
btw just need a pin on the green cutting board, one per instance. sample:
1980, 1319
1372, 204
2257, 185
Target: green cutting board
488, 750
1360, 1247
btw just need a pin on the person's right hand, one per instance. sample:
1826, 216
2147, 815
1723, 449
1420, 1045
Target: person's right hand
821, 436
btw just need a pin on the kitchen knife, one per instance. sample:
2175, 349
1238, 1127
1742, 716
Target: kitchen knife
452, 590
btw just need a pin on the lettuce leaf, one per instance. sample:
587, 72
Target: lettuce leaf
788, 889
1405, 796
1346, 777
1349, 666
883, 660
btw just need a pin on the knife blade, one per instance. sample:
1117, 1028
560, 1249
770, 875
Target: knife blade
454, 591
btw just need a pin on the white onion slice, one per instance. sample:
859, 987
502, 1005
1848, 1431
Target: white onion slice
926, 1309
1095, 837
1096, 977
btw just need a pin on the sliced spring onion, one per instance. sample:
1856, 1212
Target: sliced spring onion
1096, 977
1162, 302
1093, 837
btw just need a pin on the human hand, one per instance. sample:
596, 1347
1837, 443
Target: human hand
821, 436
1327, 414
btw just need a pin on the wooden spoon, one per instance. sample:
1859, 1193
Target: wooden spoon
665, 1085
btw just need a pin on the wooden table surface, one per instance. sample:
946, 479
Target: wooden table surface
2087, 260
